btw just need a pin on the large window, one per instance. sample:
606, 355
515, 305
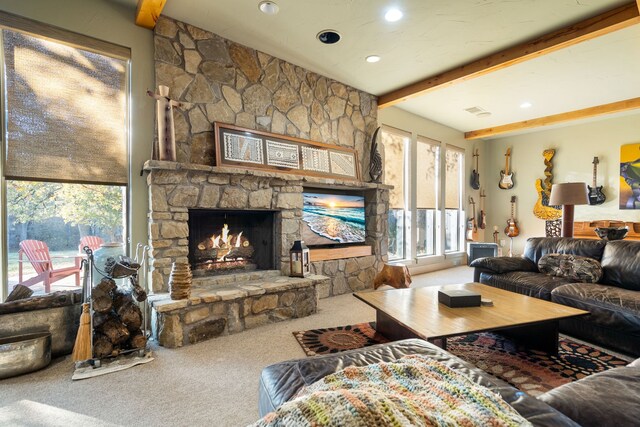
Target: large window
428, 187
395, 145
427, 181
454, 214
65, 169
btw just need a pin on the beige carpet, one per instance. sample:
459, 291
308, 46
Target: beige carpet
214, 383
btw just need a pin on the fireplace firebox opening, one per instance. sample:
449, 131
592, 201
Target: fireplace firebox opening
229, 241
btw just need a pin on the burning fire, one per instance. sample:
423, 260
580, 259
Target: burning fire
225, 247
226, 238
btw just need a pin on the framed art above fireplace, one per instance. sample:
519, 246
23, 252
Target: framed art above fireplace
252, 149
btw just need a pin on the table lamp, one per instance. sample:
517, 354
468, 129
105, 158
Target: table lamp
568, 195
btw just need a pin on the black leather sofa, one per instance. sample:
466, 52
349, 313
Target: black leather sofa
615, 402
613, 303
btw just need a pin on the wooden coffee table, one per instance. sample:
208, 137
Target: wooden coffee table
416, 313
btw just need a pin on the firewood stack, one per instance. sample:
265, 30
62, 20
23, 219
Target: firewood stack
117, 319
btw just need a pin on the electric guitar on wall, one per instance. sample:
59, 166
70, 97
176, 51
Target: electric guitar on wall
475, 175
512, 227
482, 218
472, 227
506, 175
596, 195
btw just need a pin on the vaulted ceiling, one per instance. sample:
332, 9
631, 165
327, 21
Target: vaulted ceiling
444, 57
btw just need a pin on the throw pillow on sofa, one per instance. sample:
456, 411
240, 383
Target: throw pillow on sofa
573, 267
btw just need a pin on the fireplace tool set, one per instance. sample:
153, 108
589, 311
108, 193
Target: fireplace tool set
119, 322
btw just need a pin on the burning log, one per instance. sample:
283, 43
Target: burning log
239, 252
223, 247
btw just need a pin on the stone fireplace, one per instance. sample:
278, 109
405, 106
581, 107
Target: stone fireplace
180, 192
189, 207
231, 241
218, 80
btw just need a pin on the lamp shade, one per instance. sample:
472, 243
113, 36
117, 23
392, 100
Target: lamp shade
569, 193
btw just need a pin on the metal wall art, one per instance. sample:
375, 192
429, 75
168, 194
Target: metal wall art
254, 149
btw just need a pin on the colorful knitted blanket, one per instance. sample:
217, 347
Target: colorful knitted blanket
412, 391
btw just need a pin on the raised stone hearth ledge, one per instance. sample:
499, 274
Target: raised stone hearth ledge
310, 181
232, 308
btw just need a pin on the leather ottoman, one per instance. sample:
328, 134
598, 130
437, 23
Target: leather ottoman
280, 382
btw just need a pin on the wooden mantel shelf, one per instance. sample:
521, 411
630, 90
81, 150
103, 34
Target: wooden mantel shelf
310, 181
326, 254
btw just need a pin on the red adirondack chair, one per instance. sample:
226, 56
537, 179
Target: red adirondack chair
93, 242
37, 253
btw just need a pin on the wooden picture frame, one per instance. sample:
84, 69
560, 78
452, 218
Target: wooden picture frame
253, 149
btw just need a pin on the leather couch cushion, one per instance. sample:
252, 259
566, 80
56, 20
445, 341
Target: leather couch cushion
537, 247
573, 267
621, 264
609, 306
609, 398
504, 264
280, 382
536, 285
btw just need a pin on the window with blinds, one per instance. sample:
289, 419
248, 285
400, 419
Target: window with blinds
454, 215
66, 112
65, 149
396, 144
427, 183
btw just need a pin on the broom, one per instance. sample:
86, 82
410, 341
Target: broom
82, 347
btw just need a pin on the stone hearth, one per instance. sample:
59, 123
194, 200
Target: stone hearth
254, 299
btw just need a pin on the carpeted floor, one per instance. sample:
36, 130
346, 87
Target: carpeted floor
532, 371
210, 383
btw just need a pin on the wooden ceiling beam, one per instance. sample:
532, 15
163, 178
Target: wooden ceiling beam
588, 29
600, 110
148, 12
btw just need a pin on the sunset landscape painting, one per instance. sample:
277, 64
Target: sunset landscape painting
332, 219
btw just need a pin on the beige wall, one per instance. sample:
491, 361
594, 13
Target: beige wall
112, 22
575, 146
400, 119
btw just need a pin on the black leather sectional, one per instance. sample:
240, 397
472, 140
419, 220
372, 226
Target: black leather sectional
613, 303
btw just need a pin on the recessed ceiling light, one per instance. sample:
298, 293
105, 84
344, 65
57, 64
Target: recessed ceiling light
372, 58
268, 7
328, 36
526, 104
393, 15
483, 114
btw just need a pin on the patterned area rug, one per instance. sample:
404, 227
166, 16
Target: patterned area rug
340, 338
529, 370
